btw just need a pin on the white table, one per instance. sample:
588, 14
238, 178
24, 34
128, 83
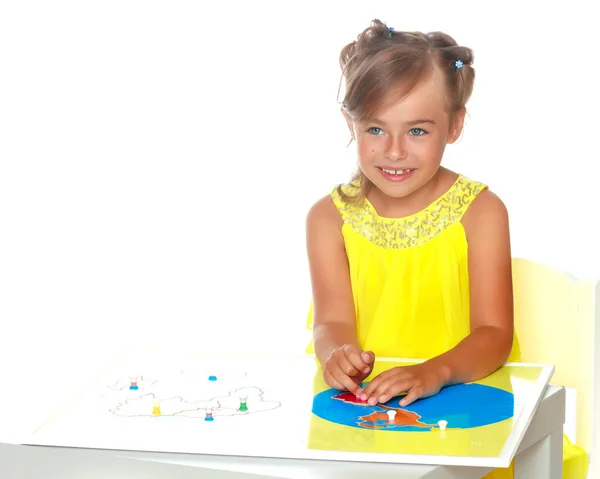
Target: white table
539, 457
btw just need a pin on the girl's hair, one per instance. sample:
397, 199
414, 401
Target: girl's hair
382, 65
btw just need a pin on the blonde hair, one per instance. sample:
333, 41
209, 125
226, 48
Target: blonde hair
381, 59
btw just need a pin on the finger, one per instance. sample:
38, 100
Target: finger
379, 391
372, 386
395, 388
368, 357
354, 357
347, 367
375, 383
414, 394
346, 381
368, 370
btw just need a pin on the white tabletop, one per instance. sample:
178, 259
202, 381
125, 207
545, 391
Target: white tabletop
25, 462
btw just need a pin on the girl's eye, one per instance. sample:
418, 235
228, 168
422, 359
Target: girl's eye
417, 131
375, 131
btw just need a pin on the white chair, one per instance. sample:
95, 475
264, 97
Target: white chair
555, 319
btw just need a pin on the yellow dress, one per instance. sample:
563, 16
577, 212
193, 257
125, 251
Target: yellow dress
410, 278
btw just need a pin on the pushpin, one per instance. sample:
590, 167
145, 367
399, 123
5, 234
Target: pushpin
133, 386
442, 424
156, 407
212, 378
209, 415
391, 415
243, 406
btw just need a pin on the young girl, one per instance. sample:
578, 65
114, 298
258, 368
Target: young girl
409, 259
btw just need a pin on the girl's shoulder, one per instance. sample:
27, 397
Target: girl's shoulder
324, 231
336, 206
324, 214
485, 207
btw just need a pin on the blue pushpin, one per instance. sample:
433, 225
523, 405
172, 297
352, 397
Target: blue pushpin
209, 415
212, 378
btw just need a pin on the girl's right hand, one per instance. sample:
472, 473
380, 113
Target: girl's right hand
347, 367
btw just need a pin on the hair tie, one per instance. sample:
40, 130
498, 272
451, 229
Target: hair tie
458, 64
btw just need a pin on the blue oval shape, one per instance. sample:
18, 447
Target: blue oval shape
463, 406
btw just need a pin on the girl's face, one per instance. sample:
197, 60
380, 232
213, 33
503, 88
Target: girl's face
401, 149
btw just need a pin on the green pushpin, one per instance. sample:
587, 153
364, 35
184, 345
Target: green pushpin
243, 406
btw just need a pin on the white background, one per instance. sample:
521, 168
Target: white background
157, 160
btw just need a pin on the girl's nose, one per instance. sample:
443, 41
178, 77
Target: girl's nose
396, 149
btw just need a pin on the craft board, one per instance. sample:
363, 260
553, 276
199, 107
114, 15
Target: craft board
280, 407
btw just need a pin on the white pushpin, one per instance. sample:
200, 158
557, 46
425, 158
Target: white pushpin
391, 415
442, 425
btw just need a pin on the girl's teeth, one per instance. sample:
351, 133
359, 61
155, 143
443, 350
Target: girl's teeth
395, 172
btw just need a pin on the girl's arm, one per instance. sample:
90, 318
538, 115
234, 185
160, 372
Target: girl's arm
335, 339
490, 276
334, 320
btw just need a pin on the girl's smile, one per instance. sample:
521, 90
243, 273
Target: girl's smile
396, 175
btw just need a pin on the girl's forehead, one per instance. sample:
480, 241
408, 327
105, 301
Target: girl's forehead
426, 99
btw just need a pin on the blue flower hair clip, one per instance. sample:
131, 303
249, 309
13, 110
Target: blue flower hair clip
458, 64
390, 32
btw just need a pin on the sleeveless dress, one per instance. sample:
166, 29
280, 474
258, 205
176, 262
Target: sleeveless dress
409, 275
410, 284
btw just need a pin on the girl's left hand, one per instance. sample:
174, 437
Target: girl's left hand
418, 381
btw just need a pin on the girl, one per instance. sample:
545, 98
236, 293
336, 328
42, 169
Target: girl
409, 259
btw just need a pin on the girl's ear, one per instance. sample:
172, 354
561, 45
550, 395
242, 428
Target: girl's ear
457, 125
349, 122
